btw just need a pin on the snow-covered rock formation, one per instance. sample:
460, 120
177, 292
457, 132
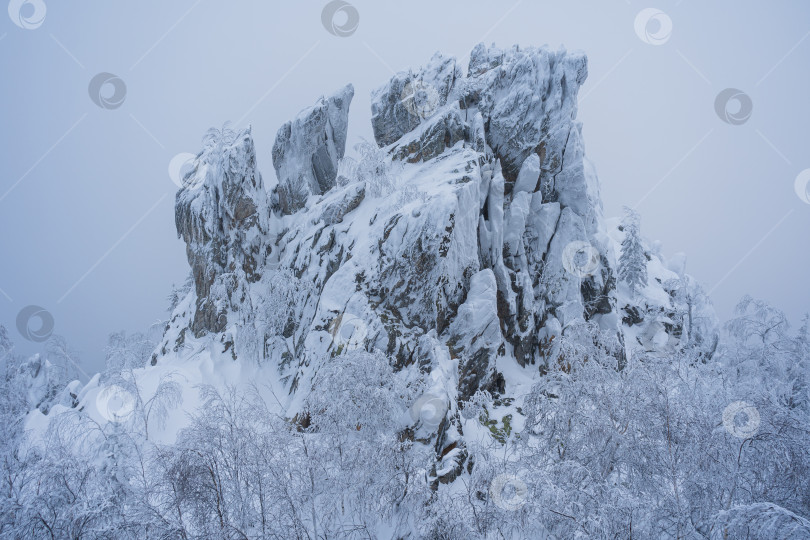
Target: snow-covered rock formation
307, 150
464, 247
222, 217
439, 336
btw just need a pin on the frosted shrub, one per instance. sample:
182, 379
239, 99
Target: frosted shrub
411, 193
600, 452
379, 174
346, 171
374, 169
274, 318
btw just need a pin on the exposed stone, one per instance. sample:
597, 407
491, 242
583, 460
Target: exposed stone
403, 103
432, 138
529, 174
475, 335
528, 97
221, 214
307, 150
562, 288
335, 212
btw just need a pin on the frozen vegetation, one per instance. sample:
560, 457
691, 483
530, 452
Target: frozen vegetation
441, 338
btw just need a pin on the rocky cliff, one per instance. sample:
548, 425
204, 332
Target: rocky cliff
464, 245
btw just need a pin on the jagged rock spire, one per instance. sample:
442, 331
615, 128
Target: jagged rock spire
222, 215
469, 237
308, 148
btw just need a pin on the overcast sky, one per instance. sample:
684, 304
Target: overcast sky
87, 205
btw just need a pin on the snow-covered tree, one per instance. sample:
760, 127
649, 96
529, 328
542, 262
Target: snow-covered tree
374, 168
124, 355
633, 260
694, 315
598, 452
179, 293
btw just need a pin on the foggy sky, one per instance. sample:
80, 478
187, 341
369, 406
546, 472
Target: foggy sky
87, 206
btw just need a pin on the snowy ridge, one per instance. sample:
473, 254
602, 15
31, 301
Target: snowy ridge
461, 237
442, 338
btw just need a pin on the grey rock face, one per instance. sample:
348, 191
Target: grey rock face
425, 260
221, 214
517, 109
475, 335
410, 98
307, 150
562, 287
519, 105
528, 98
529, 174
335, 212
438, 133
